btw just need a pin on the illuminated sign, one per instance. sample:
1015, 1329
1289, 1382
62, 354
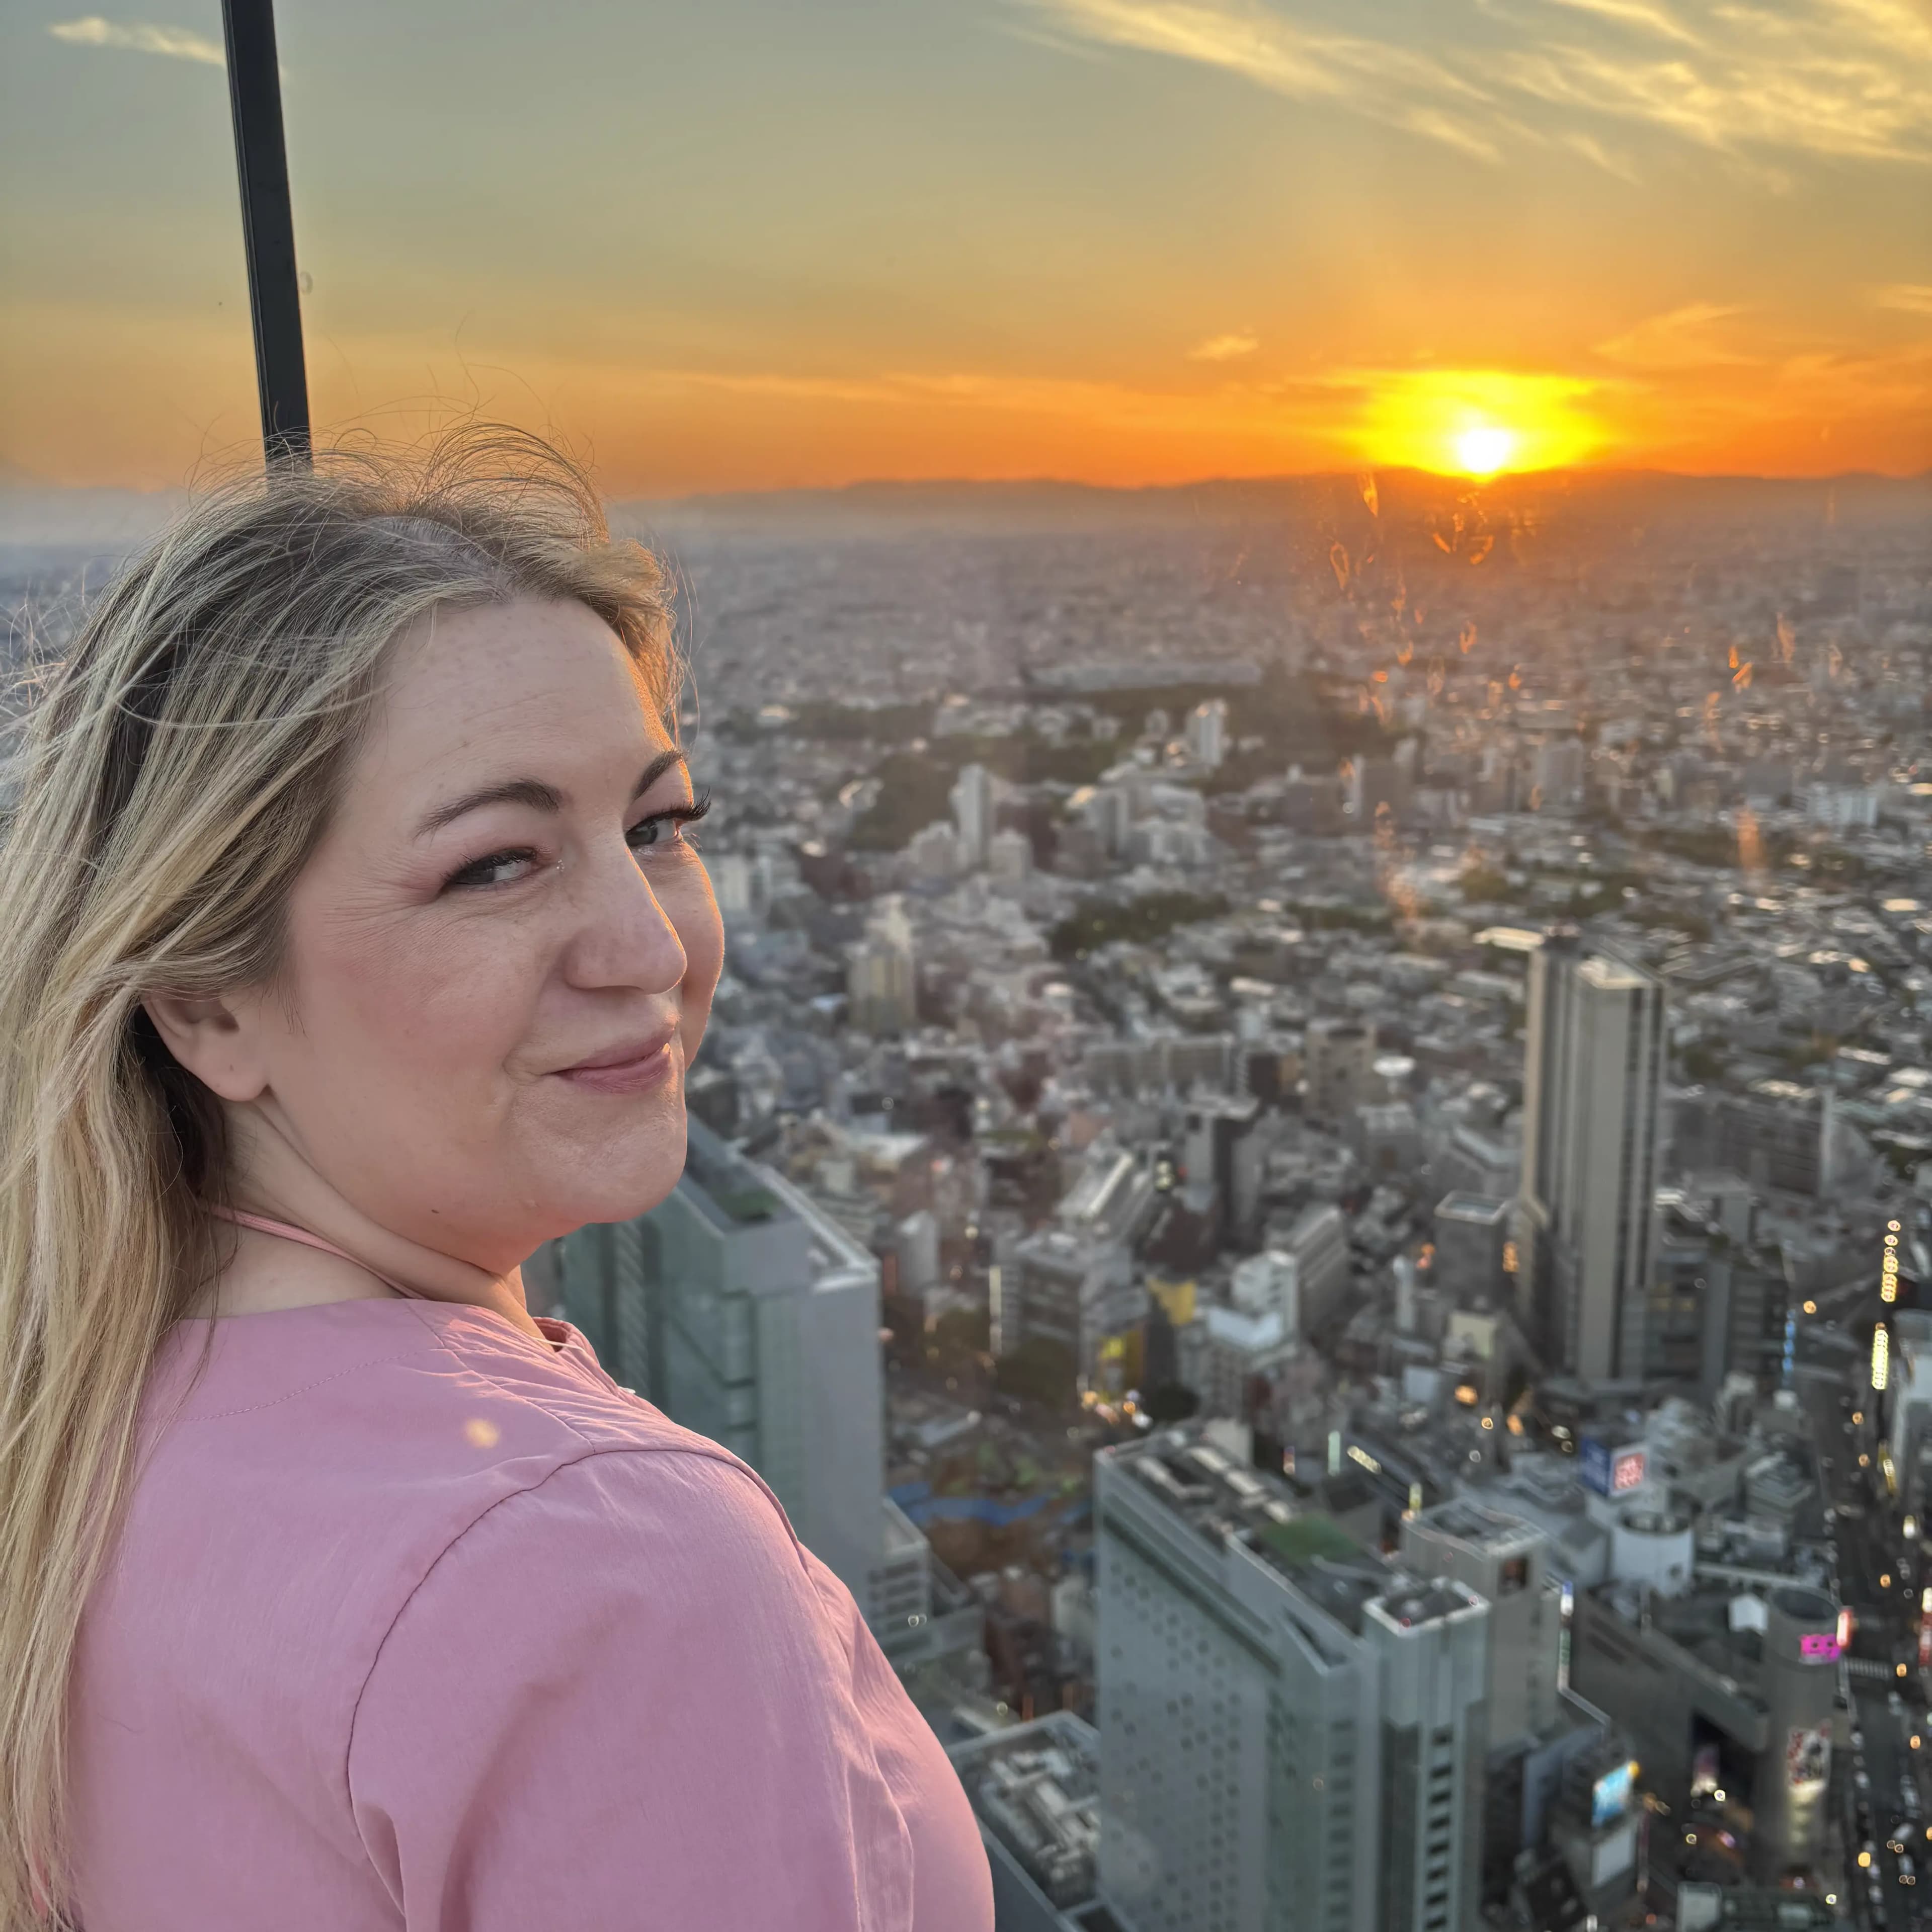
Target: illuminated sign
1881, 1360
1819, 1647
1610, 1795
1807, 1759
1610, 1472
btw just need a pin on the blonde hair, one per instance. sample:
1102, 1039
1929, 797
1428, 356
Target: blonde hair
181, 765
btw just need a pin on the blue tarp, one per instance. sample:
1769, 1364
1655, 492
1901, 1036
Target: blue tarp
921, 1505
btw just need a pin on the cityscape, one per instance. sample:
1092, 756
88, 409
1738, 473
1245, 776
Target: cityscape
1313, 1175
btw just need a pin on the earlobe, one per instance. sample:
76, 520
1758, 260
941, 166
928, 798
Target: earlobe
208, 1037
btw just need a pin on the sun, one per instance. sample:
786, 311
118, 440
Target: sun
1484, 448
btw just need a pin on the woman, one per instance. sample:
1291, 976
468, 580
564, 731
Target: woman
352, 943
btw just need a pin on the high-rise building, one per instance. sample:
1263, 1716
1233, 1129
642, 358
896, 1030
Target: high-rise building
972, 797
746, 1314
1505, 1560
1207, 732
1592, 1091
1223, 1149
1292, 1730
1318, 1244
881, 975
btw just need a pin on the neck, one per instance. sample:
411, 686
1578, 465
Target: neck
271, 1177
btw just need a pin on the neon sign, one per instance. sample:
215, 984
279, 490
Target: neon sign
1819, 1647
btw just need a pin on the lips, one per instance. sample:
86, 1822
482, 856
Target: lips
627, 1054
639, 1066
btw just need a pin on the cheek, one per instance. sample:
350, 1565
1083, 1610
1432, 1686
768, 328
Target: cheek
405, 1001
693, 912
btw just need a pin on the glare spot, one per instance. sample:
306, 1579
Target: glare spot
483, 1434
1483, 449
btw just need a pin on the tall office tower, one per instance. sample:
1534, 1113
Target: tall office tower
973, 813
1292, 1730
1207, 732
1224, 1148
881, 977
746, 1314
1593, 1080
1339, 1062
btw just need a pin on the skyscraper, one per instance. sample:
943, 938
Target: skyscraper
972, 798
746, 1314
1292, 1730
1592, 1091
881, 974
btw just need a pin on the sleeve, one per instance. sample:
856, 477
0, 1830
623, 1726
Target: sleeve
617, 1703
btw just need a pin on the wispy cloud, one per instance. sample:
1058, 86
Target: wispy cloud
1683, 338
1914, 298
139, 37
1846, 78
1225, 348
1398, 84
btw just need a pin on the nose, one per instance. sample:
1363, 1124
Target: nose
625, 935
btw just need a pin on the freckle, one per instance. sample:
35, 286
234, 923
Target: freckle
482, 1433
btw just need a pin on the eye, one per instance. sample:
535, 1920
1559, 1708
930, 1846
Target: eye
496, 868
666, 828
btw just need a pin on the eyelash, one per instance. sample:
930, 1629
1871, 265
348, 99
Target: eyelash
682, 817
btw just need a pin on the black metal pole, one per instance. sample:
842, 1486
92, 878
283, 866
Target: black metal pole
275, 295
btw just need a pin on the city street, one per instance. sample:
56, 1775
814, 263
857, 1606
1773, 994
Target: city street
1878, 1787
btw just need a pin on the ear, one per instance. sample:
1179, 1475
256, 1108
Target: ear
216, 1039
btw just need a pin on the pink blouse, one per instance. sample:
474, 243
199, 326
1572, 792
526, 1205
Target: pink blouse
416, 1622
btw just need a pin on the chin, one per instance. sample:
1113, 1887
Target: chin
627, 1174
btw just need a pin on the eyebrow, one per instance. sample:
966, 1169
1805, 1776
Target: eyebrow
534, 793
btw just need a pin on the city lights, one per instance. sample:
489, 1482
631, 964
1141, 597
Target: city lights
1881, 1366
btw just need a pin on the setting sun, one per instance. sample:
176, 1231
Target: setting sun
1476, 422
1483, 449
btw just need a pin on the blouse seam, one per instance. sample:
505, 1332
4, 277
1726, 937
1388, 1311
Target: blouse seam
306, 1388
701, 1450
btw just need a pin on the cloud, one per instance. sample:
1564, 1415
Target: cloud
137, 37
1394, 84
1850, 79
1914, 298
1225, 348
1683, 338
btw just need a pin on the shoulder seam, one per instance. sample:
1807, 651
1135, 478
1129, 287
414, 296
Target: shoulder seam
484, 1373
699, 1449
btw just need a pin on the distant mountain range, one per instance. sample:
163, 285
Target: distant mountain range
105, 519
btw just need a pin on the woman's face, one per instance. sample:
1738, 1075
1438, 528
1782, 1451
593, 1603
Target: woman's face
501, 957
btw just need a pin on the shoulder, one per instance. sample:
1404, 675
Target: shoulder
424, 1441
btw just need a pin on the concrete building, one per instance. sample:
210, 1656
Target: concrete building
1505, 1560
1009, 856
1472, 1235
1742, 1675
1317, 1243
1292, 1728
747, 1315
1592, 1092
1223, 1147
972, 799
1339, 1064
1035, 1790
881, 977
1776, 1136
1207, 732
1076, 1289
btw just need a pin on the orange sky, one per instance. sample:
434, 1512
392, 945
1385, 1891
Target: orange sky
718, 245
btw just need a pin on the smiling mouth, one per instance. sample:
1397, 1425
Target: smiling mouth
633, 1068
